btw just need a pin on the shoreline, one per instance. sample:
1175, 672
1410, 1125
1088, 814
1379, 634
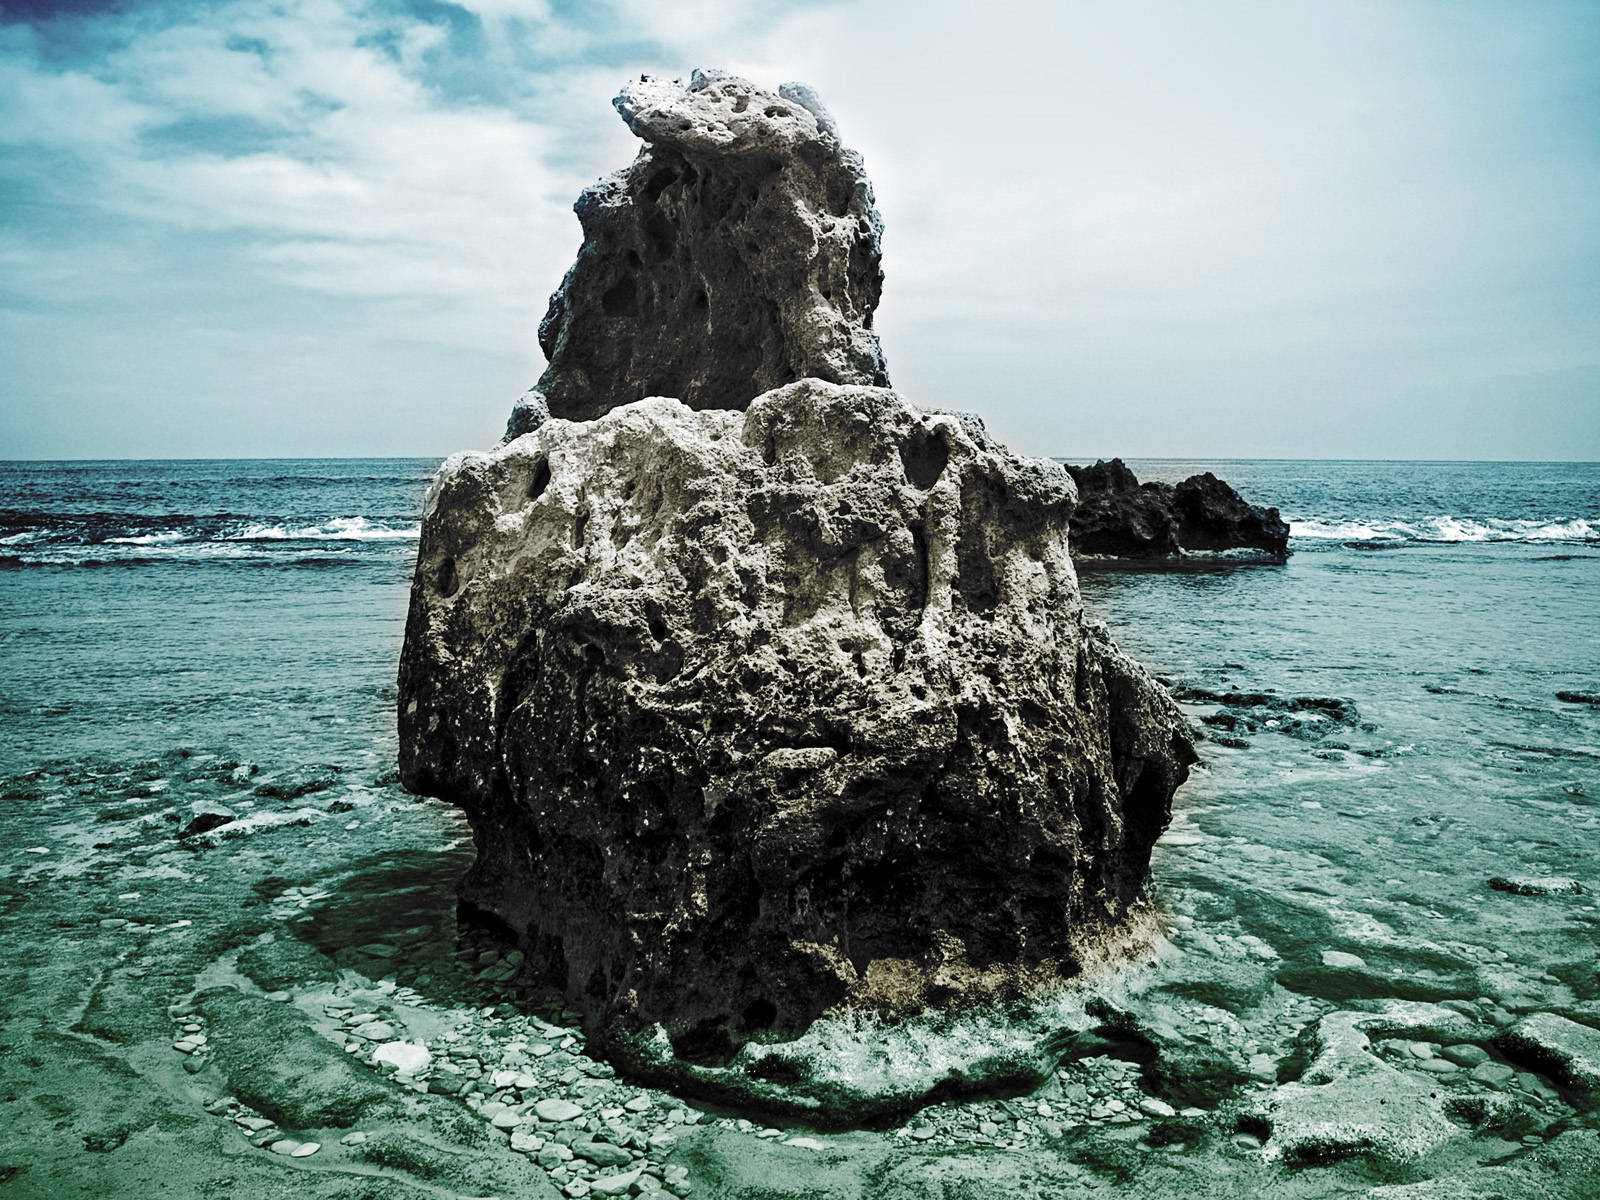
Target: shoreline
341, 906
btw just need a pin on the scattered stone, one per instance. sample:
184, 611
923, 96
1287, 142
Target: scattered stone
602, 1154
1338, 958
305, 1150
557, 1110
1492, 1074
285, 1147
615, 1185
407, 1058
353, 1139
1465, 1054
299, 781
1528, 885
204, 816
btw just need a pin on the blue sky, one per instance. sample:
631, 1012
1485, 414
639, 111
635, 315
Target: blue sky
1147, 228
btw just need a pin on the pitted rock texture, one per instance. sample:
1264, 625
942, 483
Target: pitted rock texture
738, 253
1119, 517
754, 713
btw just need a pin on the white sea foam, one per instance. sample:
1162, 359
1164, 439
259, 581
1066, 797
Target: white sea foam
1446, 529
339, 529
149, 539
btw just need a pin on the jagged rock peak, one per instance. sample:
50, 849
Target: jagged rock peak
740, 252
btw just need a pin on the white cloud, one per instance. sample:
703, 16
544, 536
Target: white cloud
1201, 201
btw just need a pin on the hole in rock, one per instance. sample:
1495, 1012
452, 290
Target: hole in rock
701, 301
541, 479
741, 103
621, 299
446, 580
578, 527
659, 182
662, 239
924, 456
760, 1013
706, 1044
769, 452
1256, 1127
775, 111
658, 629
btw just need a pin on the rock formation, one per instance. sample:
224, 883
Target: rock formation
1119, 517
738, 253
763, 701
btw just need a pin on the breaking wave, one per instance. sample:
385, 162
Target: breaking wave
1446, 530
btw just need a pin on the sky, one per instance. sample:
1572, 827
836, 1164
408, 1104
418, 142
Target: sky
1148, 228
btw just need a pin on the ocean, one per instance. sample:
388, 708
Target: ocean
259, 605
1398, 793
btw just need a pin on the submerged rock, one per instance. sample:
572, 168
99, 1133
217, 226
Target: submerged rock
1561, 1048
738, 253
1530, 885
1119, 517
275, 1061
755, 714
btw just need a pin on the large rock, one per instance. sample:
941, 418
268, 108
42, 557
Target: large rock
1119, 517
738, 253
758, 713
1563, 1049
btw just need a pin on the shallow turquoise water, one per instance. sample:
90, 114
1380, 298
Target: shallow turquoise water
260, 606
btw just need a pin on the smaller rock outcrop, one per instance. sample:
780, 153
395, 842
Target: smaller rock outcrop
1119, 517
738, 253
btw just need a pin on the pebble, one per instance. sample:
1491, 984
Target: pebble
509, 1119
353, 1139
113, 923
557, 1110
1493, 1074
305, 1150
407, 1058
615, 1185
285, 1146
280, 997
375, 1031
1438, 1066
1339, 959
1465, 1055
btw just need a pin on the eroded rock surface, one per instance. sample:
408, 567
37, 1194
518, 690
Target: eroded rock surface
1119, 517
755, 713
738, 253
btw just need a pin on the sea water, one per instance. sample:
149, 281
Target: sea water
1412, 653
